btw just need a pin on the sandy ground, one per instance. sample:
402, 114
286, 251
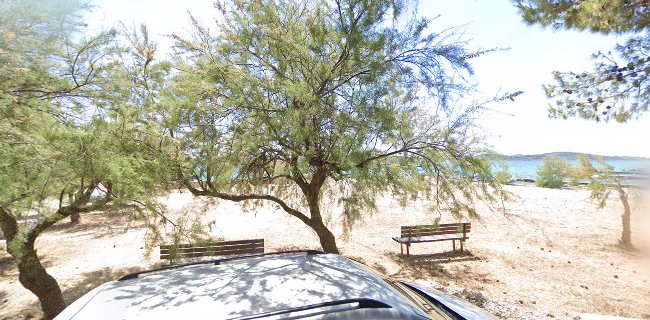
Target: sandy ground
553, 254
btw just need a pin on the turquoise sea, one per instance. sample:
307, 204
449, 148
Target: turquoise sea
527, 169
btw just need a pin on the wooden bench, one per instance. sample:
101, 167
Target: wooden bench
222, 248
432, 233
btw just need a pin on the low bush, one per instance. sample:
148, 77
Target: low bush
503, 176
553, 172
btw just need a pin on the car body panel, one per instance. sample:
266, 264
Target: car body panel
459, 306
233, 289
268, 285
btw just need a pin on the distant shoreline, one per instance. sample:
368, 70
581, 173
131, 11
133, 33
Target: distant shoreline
571, 156
526, 166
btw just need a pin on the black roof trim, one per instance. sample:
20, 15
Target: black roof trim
217, 261
364, 303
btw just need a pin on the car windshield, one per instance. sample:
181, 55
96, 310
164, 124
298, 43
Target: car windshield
420, 303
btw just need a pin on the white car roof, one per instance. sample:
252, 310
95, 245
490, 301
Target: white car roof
237, 288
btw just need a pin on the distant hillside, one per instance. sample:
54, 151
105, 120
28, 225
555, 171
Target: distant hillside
569, 156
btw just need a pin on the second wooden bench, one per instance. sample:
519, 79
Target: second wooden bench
432, 233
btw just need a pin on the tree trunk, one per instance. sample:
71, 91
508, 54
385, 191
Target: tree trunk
75, 218
626, 236
31, 273
34, 277
326, 237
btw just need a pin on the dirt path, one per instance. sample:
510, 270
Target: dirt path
552, 256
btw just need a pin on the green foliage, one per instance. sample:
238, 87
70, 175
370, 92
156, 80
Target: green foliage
553, 172
601, 178
62, 132
291, 99
617, 87
603, 16
71, 139
503, 176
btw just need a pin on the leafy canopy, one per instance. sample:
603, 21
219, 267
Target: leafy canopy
602, 16
618, 87
286, 100
65, 131
601, 177
552, 172
71, 141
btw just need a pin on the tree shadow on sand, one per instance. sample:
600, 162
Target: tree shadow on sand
93, 279
3, 299
87, 281
6, 265
413, 266
94, 229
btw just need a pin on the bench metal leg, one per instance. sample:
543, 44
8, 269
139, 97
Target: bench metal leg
454, 241
461, 245
408, 245
401, 248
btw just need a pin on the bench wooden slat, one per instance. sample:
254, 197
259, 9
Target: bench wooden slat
180, 255
459, 228
207, 254
223, 248
442, 225
222, 243
427, 234
456, 236
447, 230
439, 227
214, 247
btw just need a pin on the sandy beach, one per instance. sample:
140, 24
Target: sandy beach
552, 254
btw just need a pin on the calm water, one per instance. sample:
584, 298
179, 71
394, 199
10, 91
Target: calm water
527, 169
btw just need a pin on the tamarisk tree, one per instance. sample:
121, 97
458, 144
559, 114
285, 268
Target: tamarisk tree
288, 102
618, 87
602, 182
65, 149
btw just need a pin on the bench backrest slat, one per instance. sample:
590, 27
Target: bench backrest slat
433, 230
222, 248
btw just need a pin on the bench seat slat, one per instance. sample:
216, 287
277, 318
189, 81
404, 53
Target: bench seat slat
455, 236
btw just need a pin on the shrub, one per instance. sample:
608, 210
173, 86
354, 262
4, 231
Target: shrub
503, 176
553, 172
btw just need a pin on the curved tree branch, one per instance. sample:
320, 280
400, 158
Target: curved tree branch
244, 197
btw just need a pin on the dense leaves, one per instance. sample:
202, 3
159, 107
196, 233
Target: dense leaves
603, 16
69, 143
553, 172
289, 101
618, 87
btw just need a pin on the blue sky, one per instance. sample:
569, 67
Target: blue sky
516, 127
